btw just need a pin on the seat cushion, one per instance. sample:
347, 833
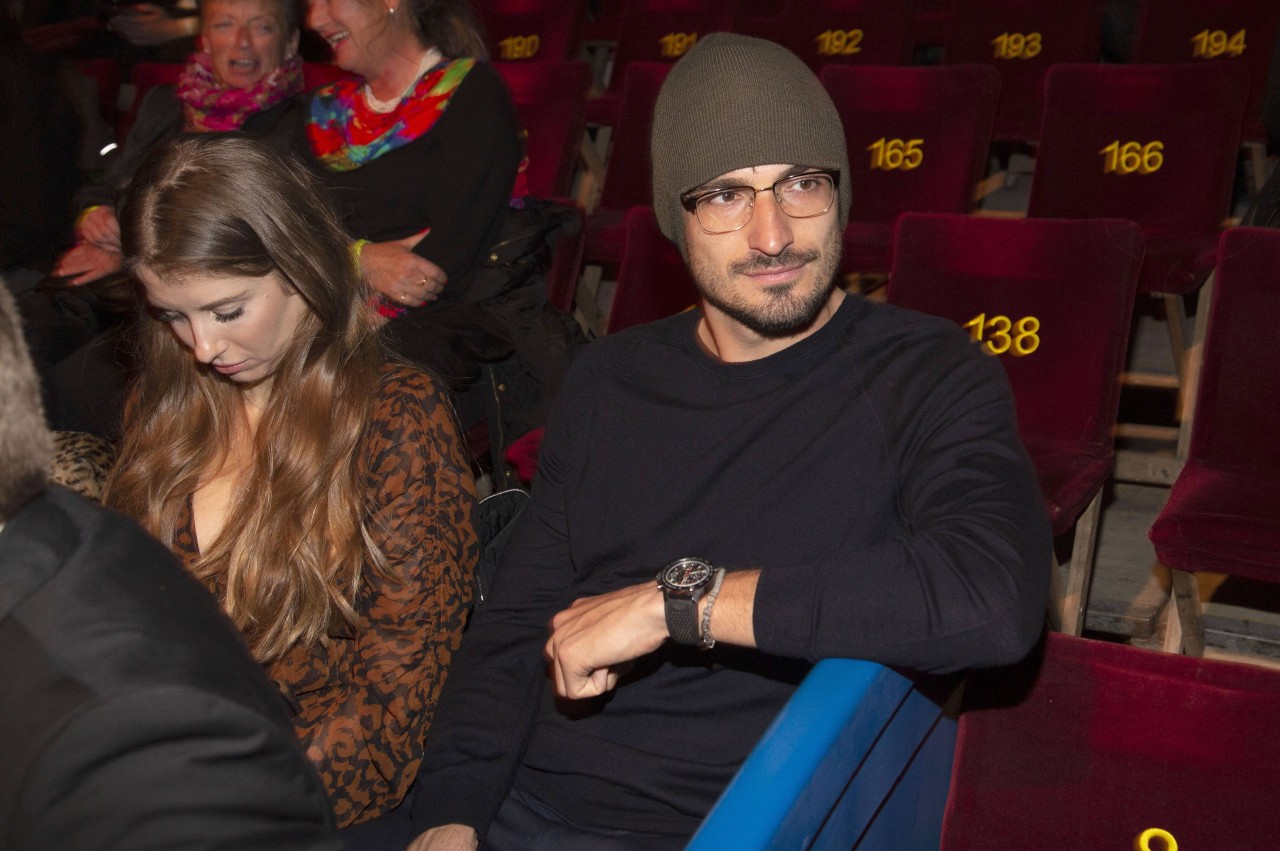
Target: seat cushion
1069, 477
1221, 519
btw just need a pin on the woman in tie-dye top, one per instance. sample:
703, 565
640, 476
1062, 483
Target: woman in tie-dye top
421, 154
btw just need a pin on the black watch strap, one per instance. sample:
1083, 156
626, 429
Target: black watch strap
682, 620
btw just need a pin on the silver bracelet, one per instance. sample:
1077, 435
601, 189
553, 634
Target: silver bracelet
707, 641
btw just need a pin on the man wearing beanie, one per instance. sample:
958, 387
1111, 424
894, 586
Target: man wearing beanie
809, 475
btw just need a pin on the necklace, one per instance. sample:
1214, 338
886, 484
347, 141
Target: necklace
428, 61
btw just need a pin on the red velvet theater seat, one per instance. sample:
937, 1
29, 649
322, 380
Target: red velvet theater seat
653, 280
1022, 39
551, 101
1053, 298
1099, 156
656, 31
1101, 742
917, 140
628, 179
532, 30
842, 32
1157, 144
1223, 513
1237, 31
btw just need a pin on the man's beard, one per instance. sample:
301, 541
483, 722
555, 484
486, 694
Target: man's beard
784, 312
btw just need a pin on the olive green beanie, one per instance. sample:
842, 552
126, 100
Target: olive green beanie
733, 102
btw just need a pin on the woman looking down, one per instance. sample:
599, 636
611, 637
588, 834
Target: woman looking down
318, 490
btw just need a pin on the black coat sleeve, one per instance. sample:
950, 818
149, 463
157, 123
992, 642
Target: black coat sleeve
172, 767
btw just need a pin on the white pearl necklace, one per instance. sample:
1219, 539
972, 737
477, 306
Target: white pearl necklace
429, 60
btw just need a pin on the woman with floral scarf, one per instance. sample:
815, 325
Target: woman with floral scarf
247, 63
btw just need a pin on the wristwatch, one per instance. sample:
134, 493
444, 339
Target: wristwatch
684, 582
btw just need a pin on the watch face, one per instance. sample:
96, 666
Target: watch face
686, 573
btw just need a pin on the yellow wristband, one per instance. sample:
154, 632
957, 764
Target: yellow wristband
356, 248
84, 214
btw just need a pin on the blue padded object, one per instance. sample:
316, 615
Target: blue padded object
857, 759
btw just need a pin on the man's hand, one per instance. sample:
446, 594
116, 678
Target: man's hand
98, 226
86, 263
400, 275
592, 638
147, 25
447, 837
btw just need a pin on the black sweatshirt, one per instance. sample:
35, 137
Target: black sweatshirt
872, 471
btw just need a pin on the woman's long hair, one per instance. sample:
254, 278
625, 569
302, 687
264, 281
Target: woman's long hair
288, 560
449, 26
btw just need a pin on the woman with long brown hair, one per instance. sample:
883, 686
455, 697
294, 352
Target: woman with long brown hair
319, 491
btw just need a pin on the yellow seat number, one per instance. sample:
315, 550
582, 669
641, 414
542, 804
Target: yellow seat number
672, 45
1132, 157
890, 154
1000, 334
1165, 840
1210, 44
839, 42
1017, 45
519, 47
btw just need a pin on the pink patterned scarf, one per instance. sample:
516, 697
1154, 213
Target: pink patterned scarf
209, 106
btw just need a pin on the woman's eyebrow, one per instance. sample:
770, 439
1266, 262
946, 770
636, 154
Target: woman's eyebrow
223, 302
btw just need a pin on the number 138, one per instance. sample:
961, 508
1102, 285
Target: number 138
1002, 334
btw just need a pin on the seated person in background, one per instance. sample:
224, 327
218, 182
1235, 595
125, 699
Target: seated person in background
420, 154
317, 489
38, 173
820, 475
247, 62
134, 718
159, 32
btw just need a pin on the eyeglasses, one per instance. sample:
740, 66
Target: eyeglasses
729, 208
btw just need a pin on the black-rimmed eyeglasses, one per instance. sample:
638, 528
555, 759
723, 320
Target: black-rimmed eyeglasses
729, 208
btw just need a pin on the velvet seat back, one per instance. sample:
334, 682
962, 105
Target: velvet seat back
917, 140
531, 30
551, 100
1237, 419
1053, 299
843, 32
1022, 39
1076, 278
1153, 143
664, 30
1223, 513
1092, 744
653, 280
628, 179
1237, 31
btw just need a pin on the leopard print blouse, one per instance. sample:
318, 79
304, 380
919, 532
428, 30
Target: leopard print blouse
363, 704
